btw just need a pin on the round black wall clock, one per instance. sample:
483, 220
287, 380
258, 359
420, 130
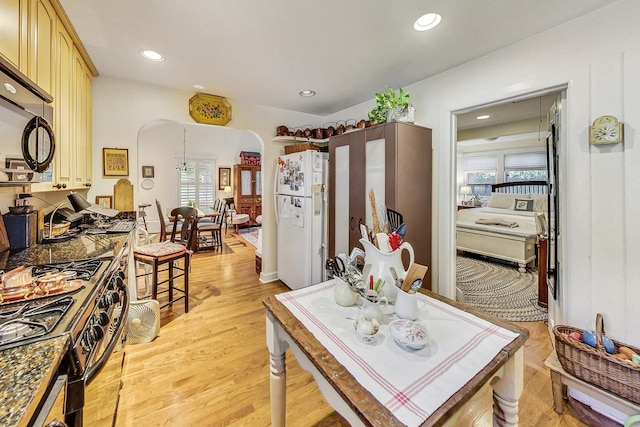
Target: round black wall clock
210, 109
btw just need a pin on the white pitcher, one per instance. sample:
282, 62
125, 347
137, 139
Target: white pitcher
381, 263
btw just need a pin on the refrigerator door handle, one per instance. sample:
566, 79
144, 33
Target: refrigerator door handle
275, 195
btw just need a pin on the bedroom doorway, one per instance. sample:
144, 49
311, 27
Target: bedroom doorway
506, 144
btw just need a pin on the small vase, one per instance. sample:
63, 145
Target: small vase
397, 115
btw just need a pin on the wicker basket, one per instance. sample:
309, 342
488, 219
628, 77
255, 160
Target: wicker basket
300, 146
595, 365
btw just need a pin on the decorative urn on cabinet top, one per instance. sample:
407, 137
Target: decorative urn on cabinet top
210, 109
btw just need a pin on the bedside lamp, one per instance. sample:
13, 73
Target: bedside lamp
465, 190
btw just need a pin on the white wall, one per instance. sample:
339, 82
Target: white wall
121, 109
597, 57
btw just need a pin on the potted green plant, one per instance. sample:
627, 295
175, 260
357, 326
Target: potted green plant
392, 106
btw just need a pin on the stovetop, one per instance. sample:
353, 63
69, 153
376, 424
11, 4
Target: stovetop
26, 321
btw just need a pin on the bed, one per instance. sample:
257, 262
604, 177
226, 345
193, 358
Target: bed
507, 227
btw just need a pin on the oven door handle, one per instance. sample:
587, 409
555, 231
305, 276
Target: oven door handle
96, 367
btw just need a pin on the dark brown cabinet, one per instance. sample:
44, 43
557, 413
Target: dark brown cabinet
247, 192
395, 160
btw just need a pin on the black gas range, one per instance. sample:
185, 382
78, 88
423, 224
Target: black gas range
91, 313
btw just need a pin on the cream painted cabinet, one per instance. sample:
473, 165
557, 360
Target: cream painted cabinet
13, 32
36, 41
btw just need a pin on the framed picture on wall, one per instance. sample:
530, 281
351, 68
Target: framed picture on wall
105, 201
224, 178
148, 172
115, 161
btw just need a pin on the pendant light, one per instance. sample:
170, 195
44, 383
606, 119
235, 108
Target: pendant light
183, 166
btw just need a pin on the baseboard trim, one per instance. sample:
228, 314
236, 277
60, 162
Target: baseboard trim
268, 277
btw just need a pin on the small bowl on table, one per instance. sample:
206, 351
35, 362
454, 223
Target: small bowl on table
366, 329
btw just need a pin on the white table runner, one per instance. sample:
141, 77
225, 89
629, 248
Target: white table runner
412, 385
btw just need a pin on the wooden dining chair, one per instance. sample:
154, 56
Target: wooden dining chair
209, 232
165, 229
170, 253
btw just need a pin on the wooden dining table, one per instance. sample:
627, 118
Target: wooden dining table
301, 319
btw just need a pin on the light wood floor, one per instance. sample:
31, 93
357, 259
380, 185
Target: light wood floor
210, 367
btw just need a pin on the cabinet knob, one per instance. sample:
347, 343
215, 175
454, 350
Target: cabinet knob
59, 186
87, 184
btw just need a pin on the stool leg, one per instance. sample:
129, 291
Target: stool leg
154, 281
170, 282
187, 258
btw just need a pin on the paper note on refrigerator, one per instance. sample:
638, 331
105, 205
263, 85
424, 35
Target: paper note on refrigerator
284, 206
297, 212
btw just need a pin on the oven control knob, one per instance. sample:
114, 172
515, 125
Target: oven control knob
113, 297
96, 332
103, 318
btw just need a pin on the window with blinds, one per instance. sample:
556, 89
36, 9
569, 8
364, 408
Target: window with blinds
480, 173
196, 184
525, 167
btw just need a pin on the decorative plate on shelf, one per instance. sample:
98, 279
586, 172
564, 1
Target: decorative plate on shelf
147, 183
210, 109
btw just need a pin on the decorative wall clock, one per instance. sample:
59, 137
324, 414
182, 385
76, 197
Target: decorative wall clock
605, 130
210, 109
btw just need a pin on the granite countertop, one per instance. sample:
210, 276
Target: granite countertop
27, 371
82, 247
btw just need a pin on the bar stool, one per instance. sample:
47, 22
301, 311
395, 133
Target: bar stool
170, 252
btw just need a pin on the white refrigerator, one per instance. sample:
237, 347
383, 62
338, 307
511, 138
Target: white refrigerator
301, 215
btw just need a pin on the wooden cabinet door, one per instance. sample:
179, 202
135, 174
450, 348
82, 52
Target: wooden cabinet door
41, 45
64, 105
13, 32
346, 184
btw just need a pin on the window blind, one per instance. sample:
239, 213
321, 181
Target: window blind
525, 161
196, 183
480, 163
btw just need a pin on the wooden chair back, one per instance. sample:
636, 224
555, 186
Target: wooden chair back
185, 233
163, 224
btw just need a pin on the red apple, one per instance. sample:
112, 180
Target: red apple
577, 336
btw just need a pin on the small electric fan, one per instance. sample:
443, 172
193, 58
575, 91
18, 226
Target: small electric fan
143, 323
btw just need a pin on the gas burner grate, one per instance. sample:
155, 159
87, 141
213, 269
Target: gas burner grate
32, 320
83, 269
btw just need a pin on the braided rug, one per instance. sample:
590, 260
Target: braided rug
499, 289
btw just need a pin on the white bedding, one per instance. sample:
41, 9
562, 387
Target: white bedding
526, 220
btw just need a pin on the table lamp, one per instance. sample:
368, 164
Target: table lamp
465, 190
227, 189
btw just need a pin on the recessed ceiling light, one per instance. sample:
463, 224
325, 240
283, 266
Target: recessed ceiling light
486, 116
152, 55
427, 22
199, 87
307, 92
10, 88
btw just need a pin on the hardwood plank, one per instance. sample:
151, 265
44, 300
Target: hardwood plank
211, 366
